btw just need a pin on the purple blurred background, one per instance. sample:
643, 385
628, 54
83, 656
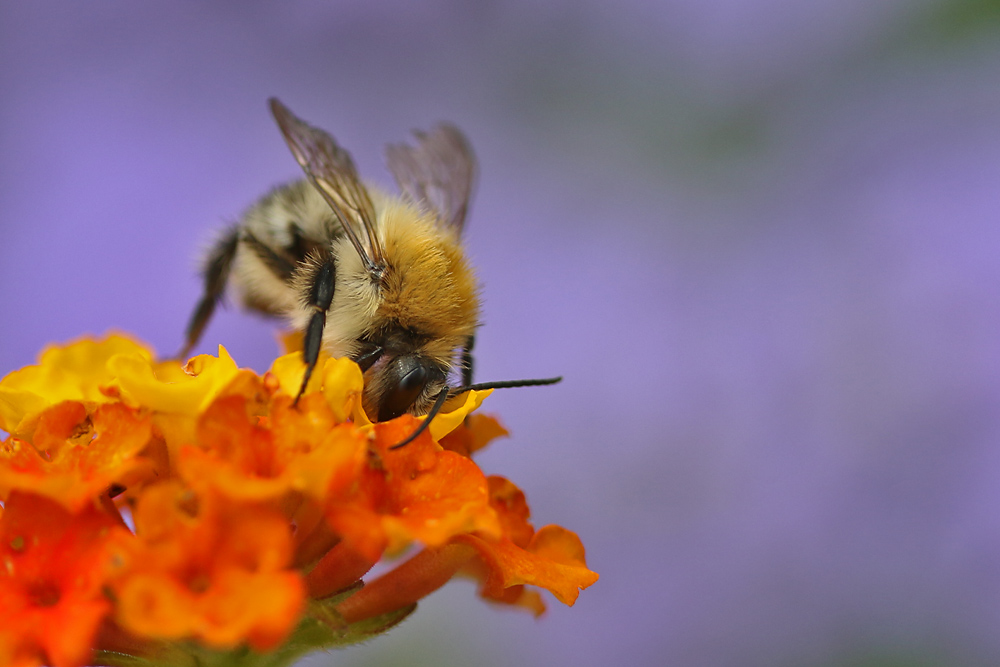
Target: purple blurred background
758, 237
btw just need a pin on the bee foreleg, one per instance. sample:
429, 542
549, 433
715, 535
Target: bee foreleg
216, 273
320, 296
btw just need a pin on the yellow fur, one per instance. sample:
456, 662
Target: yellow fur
428, 286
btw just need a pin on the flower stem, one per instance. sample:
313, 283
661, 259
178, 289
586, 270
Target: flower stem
338, 569
421, 575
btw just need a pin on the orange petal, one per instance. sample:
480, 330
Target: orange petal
512, 510
237, 607
417, 492
520, 596
75, 458
296, 449
201, 567
549, 562
56, 425
552, 558
477, 432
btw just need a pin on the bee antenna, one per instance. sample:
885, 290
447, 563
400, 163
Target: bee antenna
447, 393
435, 409
505, 384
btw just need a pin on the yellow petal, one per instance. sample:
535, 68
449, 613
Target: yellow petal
343, 383
166, 387
290, 369
73, 372
446, 422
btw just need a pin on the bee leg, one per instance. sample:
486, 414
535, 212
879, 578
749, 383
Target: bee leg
467, 366
216, 273
467, 361
280, 266
321, 285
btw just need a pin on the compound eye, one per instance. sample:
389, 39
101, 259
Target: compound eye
414, 380
411, 378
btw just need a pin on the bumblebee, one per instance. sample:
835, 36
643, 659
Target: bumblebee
382, 279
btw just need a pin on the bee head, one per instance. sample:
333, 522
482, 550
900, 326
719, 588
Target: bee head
399, 379
402, 384
420, 312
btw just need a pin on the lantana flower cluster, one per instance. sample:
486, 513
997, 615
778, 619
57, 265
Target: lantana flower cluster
166, 514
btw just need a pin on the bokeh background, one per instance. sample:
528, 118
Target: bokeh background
758, 237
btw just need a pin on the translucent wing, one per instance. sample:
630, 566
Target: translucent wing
437, 173
331, 170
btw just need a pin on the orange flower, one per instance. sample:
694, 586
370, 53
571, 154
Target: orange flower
254, 516
206, 569
258, 457
419, 492
53, 569
76, 457
552, 558
477, 432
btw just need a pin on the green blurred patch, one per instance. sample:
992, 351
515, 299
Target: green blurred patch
602, 104
898, 657
948, 24
959, 20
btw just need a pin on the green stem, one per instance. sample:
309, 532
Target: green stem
322, 629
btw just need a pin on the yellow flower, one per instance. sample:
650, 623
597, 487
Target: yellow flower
77, 372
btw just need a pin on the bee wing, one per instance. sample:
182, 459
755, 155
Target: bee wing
331, 170
437, 173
